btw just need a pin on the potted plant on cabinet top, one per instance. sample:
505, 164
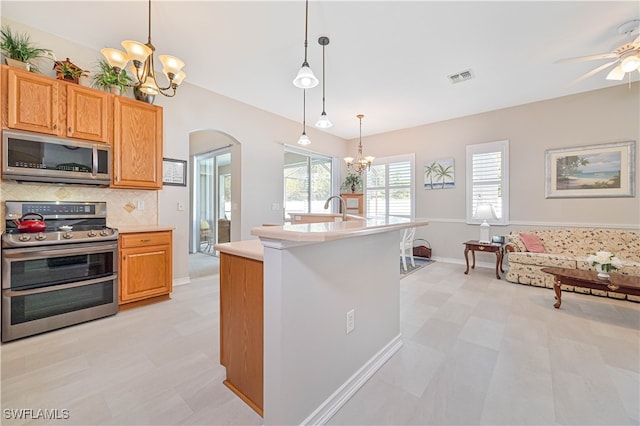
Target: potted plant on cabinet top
66, 70
19, 51
352, 182
107, 79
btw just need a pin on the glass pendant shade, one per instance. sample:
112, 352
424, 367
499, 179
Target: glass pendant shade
115, 57
178, 78
136, 50
324, 122
304, 139
170, 64
305, 78
348, 160
149, 86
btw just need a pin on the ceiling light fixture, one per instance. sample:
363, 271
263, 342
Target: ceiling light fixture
143, 68
304, 139
305, 78
323, 122
361, 163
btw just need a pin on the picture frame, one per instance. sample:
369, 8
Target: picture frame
592, 171
174, 172
439, 174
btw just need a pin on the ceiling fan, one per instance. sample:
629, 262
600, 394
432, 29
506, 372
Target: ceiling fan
627, 56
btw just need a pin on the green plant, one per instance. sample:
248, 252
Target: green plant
107, 77
69, 71
19, 47
352, 181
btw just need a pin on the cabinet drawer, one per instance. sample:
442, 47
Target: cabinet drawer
145, 239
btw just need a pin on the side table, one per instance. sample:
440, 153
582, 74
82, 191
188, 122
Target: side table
474, 245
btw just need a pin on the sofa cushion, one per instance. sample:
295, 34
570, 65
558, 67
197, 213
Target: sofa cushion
532, 243
542, 259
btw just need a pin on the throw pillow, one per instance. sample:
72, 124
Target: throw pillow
532, 243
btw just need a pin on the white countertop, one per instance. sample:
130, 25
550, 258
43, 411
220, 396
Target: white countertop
329, 231
251, 249
129, 229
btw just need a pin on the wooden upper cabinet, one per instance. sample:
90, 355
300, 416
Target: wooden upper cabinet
89, 113
137, 144
33, 102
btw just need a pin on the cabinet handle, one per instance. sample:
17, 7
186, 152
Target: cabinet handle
55, 126
145, 241
124, 257
69, 129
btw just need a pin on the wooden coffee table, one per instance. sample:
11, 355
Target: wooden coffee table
625, 284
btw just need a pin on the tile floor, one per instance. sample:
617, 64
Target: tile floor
476, 351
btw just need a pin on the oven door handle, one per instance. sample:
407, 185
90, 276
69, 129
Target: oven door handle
13, 293
44, 253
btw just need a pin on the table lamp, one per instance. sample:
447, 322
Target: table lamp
484, 212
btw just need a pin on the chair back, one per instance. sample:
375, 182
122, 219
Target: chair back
408, 235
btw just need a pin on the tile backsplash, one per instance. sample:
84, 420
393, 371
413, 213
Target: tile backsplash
125, 207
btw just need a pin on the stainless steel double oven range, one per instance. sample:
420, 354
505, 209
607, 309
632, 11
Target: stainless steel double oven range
64, 275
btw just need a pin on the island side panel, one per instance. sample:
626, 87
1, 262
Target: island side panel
241, 327
308, 290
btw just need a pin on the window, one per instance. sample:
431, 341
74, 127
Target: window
488, 180
389, 187
308, 181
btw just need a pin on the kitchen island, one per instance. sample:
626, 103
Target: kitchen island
330, 312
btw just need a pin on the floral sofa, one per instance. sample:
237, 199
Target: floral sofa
569, 248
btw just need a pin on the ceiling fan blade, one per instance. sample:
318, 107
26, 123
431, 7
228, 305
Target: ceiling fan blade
588, 58
592, 72
616, 73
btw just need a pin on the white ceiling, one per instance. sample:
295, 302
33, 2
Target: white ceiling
388, 60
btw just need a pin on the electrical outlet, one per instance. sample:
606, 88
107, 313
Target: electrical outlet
140, 205
180, 206
351, 320
275, 206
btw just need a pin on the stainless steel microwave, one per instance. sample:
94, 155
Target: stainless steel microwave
41, 158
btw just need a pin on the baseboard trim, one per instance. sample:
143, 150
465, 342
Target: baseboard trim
331, 405
181, 281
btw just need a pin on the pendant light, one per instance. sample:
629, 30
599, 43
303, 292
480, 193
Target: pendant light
323, 122
304, 139
361, 163
305, 78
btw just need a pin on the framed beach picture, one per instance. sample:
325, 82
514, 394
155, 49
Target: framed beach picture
439, 174
606, 170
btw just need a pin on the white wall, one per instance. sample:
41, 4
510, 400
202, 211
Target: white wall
601, 116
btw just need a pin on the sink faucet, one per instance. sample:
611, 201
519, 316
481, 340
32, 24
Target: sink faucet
343, 205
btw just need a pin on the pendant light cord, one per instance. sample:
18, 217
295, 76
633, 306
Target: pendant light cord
323, 79
304, 111
306, 27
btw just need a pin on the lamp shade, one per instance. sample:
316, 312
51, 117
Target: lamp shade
305, 78
630, 63
323, 122
136, 50
115, 57
484, 212
171, 64
304, 139
178, 78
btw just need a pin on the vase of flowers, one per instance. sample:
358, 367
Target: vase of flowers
605, 262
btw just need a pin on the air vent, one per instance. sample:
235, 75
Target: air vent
461, 76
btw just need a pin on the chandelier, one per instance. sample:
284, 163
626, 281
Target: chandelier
361, 163
143, 67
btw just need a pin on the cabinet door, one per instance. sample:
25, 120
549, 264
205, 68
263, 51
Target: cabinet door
145, 272
137, 144
88, 113
33, 102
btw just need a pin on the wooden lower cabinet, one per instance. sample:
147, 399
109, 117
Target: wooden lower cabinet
145, 268
241, 327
